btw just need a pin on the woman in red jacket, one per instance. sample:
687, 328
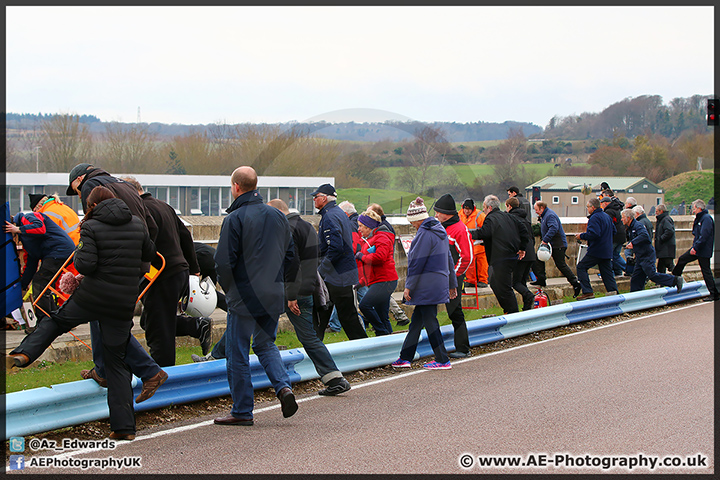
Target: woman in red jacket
378, 268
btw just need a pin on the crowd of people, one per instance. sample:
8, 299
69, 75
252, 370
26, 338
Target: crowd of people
270, 261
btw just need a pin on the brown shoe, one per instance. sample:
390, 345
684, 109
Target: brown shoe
122, 436
151, 386
231, 420
288, 405
87, 374
16, 360
586, 296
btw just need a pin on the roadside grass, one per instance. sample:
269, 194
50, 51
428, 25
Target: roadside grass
392, 201
46, 373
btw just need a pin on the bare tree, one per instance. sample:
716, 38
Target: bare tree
509, 157
429, 149
129, 148
66, 142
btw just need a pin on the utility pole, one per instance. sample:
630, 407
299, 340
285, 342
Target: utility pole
37, 159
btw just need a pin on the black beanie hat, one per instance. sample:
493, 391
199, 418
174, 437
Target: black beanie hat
468, 203
35, 198
446, 205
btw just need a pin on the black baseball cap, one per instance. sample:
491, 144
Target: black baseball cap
78, 170
325, 189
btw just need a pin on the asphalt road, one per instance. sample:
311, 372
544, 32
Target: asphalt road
636, 390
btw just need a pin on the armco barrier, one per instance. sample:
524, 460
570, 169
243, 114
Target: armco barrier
43, 409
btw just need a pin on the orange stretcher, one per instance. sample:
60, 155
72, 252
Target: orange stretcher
150, 276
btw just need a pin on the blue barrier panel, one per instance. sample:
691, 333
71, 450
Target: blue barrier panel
43, 409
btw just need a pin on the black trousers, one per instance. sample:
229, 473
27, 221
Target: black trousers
520, 278
159, 316
707, 272
115, 335
665, 264
501, 281
457, 317
558, 256
343, 298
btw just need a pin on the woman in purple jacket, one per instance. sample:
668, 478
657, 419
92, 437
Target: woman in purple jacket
428, 284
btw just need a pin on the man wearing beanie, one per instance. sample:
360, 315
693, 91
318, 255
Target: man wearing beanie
430, 281
337, 263
461, 249
58, 212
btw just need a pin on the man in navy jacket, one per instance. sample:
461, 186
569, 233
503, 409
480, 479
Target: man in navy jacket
702, 248
644, 252
599, 235
337, 263
254, 249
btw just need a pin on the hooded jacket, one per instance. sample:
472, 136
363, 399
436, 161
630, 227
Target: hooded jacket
613, 209
113, 245
41, 238
520, 214
337, 259
665, 236
599, 234
378, 264
430, 265
704, 233
253, 252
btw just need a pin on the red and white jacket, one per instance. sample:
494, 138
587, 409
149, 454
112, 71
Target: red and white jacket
461, 244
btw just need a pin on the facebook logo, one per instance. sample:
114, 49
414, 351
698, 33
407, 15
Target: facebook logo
17, 444
17, 462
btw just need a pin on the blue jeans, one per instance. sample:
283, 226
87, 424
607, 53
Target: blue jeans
605, 266
334, 323
619, 264
140, 362
241, 325
424, 316
375, 306
218, 350
315, 349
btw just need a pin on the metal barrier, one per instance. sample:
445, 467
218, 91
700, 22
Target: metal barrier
44, 409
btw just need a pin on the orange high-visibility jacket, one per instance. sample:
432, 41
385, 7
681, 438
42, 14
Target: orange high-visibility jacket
475, 220
64, 216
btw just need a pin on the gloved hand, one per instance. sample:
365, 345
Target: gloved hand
358, 256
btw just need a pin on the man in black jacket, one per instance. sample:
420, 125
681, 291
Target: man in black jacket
300, 282
664, 239
504, 240
521, 273
159, 318
613, 207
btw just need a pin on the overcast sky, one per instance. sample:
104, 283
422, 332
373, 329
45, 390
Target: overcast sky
201, 65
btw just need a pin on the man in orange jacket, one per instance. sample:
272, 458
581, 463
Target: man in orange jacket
58, 212
477, 274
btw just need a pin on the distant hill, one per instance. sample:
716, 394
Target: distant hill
689, 186
364, 132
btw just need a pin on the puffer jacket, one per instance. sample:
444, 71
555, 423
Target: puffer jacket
113, 245
665, 236
614, 209
378, 264
704, 233
337, 259
430, 266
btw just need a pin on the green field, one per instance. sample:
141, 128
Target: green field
392, 201
468, 173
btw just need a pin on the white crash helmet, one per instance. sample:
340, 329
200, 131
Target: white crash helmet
201, 299
544, 252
